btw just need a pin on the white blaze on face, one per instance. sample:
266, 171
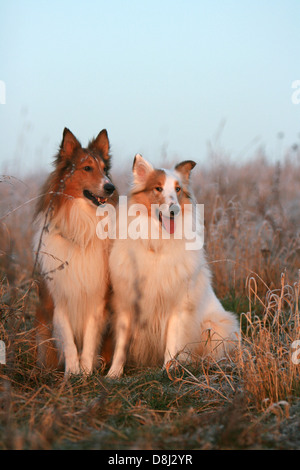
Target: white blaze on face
171, 208
169, 190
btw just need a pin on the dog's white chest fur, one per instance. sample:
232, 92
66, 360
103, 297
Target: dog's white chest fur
74, 262
154, 279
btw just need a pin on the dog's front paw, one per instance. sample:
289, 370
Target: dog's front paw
114, 373
86, 365
74, 370
72, 366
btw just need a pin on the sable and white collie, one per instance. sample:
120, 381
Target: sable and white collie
72, 259
164, 304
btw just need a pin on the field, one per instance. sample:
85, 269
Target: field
250, 401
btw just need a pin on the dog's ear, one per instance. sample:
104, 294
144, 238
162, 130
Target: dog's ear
141, 169
101, 145
185, 168
68, 144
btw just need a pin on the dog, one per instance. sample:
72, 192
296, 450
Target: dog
164, 304
73, 261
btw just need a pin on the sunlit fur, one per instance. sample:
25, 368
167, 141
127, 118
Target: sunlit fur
73, 261
164, 303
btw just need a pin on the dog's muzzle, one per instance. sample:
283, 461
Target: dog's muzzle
109, 188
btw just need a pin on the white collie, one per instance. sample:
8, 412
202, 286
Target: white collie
164, 304
72, 259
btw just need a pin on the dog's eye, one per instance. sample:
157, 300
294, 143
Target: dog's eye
178, 189
159, 189
88, 168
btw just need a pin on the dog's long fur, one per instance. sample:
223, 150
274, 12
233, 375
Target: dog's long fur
163, 299
72, 259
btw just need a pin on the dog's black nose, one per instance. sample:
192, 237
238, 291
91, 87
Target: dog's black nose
109, 188
174, 209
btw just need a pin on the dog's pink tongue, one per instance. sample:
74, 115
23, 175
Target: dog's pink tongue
169, 224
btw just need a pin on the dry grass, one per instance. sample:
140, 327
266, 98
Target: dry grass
248, 401
271, 376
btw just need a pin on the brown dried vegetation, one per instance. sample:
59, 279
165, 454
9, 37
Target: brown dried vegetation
252, 237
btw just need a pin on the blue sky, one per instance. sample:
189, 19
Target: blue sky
162, 76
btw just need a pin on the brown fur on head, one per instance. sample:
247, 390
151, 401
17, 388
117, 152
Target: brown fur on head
149, 183
79, 183
79, 172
